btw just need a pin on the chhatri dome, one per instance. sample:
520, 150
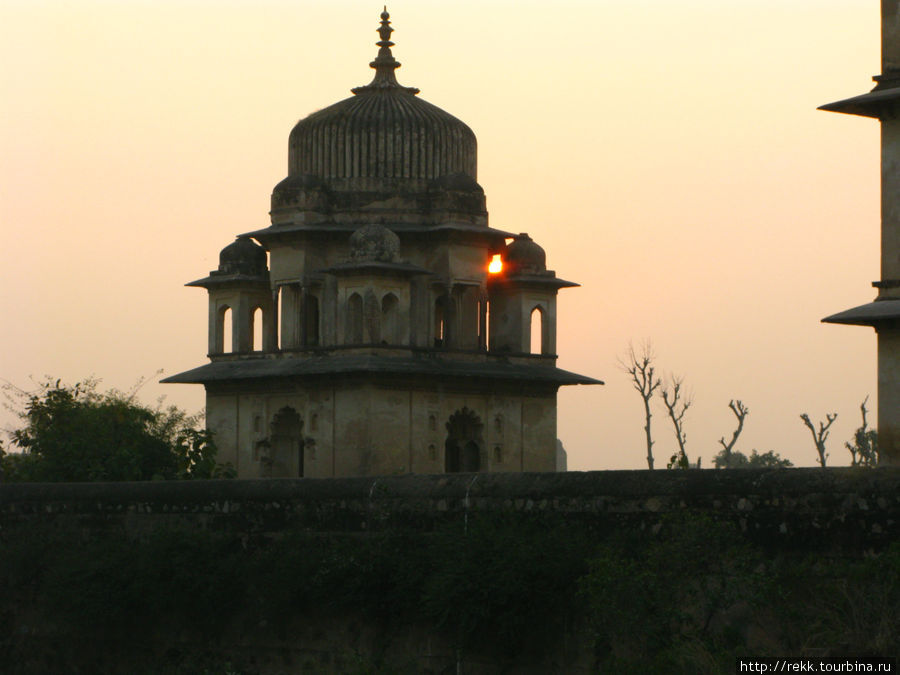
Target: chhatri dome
362, 332
383, 139
384, 130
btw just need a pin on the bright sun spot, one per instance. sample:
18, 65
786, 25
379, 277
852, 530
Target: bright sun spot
496, 264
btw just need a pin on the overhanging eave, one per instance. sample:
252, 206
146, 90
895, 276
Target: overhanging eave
334, 365
873, 104
870, 314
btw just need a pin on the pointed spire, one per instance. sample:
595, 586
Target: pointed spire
385, 64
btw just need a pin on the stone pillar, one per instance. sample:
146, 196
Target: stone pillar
240, 331
890, 203
270, 323
889, 333
304, 311
890, 36
214, 327
482, 319
889, 396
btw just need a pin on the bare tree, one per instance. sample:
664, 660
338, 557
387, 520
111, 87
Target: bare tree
864, 449
645, 382
820, 436
672, 396
740, 411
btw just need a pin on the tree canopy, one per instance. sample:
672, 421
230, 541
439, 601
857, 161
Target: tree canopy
77, 433
735, 459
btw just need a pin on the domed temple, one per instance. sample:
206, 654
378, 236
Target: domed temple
379, 325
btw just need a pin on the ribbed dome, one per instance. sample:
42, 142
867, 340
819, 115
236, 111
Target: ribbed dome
383, 131
243, 256
523, 256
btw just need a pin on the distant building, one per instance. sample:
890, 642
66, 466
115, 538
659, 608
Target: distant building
883, 103
385, 343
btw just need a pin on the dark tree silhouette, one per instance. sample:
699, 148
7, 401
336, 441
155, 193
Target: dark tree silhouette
645, 382
820, 436
740, 411
75, 433
864, 448
672, 396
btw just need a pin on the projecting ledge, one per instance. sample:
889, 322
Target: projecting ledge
870, 314
873, 104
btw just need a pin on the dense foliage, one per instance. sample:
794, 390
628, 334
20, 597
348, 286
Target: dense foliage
735, 459
77, 433
686, 597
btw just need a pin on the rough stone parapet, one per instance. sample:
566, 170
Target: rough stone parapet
813, 509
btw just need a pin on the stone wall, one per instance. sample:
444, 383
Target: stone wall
841, 509
788, 514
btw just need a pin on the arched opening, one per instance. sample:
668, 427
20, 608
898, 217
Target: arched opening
440, 325
354, 329
224, 330
390, 320
256, 330
311, 329
279, 305
536, 341
285, 452
462, 449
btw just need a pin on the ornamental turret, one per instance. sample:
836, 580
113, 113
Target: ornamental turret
368, 336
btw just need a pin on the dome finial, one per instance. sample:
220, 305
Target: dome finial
385, 64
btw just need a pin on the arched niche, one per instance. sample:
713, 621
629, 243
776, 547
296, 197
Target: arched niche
464, 444
285, 451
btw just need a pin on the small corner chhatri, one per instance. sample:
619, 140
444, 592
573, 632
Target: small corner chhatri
362, 333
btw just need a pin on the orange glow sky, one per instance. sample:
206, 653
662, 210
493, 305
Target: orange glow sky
668, 156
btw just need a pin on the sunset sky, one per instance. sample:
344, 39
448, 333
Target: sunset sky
668, 156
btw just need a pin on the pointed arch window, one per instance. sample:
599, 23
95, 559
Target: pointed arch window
536, 341
256, 329
224, 342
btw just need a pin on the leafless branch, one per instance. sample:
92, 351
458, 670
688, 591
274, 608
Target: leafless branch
645, 382
740, 411
820, 436
672, 396
864, 448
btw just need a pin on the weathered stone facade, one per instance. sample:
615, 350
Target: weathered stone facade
367, 334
